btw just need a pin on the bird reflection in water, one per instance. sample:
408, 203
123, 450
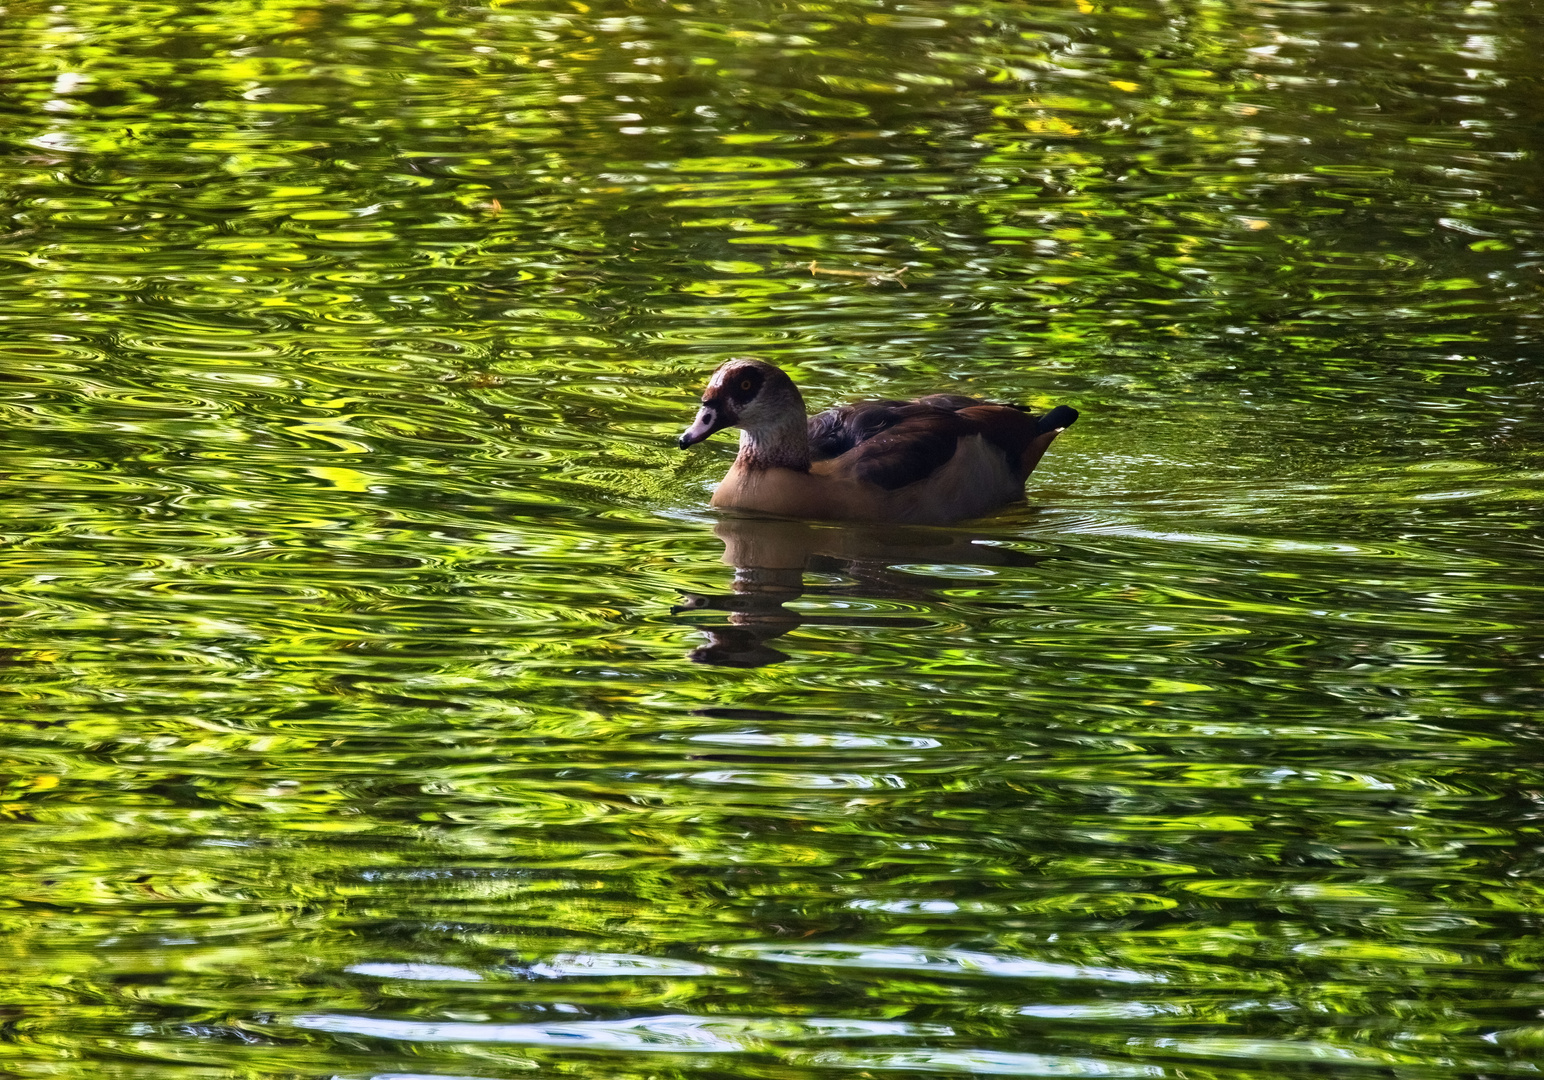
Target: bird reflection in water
771, 557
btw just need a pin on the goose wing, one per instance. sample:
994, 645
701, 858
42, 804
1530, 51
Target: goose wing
837, 430
911, 449
896, 443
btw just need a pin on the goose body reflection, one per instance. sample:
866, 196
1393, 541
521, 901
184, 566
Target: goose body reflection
934, 460
770, 559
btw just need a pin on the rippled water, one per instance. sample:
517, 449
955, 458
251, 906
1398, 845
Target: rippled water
383, 701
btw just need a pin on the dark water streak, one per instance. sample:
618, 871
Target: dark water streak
381, 701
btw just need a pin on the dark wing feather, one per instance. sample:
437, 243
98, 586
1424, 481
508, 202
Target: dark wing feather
952, 402
1062, 416
902, 442
1013, 431
912, 449
1006, 427
838, 430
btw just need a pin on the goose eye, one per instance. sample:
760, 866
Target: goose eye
745, 384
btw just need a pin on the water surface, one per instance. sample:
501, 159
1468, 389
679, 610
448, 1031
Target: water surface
383, 701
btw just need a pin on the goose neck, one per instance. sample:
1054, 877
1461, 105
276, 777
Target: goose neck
781, 445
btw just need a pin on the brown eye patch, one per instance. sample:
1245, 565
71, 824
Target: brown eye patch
744, 385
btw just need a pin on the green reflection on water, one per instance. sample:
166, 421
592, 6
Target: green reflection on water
382, 701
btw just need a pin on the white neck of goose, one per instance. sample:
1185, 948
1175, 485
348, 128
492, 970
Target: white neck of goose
783, 443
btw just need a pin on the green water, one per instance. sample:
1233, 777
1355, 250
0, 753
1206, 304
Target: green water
382, 701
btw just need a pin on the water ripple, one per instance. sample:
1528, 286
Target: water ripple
951, 961
658, 1034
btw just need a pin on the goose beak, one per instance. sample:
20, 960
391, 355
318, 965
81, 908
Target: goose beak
708, 421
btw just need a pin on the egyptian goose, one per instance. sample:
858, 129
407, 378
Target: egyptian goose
937, 459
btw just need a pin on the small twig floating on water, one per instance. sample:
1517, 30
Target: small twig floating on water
873, 277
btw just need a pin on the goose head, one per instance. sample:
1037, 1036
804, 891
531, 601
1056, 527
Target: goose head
757, 397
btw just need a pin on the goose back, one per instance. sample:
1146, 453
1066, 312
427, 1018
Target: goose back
897, 443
